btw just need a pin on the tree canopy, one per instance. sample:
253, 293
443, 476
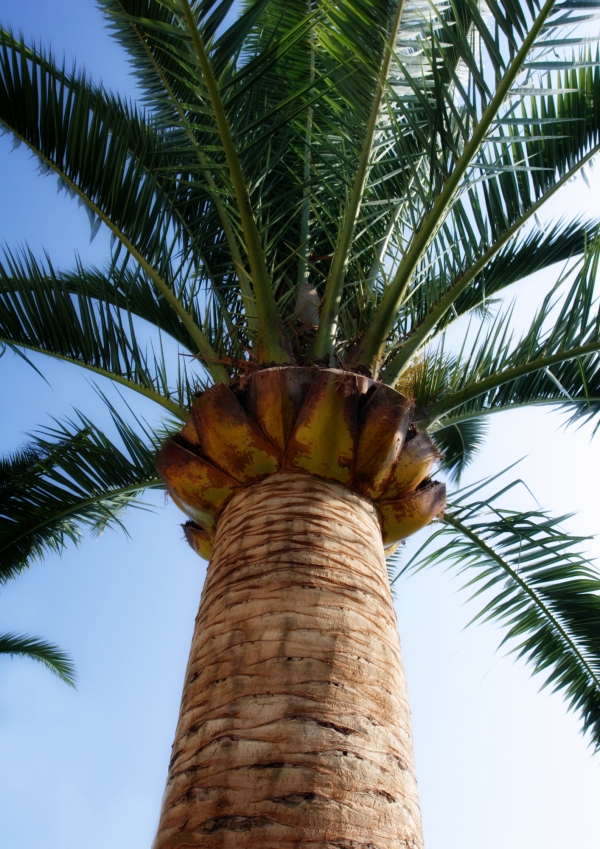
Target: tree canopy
327, 183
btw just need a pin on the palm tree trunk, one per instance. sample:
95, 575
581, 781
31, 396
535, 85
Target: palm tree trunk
294, 727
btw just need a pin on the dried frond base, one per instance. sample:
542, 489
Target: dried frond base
335, 425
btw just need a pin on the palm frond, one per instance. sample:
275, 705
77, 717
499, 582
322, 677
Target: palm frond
70, 477
268, 83
297, 82
104, 152
451, 287
534, 251
53, 658
513, 133
139, 26
88, 320
130, 290
535, 582
272, 342
557, 359
148, 32
459, 443
101, 147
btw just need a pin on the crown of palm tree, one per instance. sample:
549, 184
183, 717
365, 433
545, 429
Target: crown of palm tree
331, 184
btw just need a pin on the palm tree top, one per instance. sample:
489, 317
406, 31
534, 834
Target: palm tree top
379, 159
326, 183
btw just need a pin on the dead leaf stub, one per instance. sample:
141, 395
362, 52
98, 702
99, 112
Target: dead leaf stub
199, 539
383, 423
402, 518
275, 397
230, 438
323, 441
192, 481
416, 460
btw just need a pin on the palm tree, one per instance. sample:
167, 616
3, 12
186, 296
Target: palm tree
309, 199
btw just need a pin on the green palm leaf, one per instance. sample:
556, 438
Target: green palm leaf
289, 74
556, 360
492, 153
53, 658
533, 252
100, 147
41, 311
459, 442
105, 153
535, 582
69, 478
460, 246
126, 289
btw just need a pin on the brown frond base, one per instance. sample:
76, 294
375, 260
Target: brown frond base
333, 424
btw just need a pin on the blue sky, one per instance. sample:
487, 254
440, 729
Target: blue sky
499, 764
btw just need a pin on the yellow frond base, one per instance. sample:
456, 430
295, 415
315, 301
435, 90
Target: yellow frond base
333, 424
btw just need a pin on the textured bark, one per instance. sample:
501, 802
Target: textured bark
294, 727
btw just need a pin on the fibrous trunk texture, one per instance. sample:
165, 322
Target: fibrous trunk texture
294, 727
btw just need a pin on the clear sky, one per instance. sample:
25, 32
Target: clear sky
499, 764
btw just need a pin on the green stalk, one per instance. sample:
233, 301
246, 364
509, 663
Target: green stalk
480, 387
154, 483
478, 414
245, 285
205, 349
303, 270
272, 340
325, 341
377, 264
169, 405
401, 361
368, 350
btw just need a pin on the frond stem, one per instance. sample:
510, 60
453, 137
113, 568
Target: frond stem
217, 372
395, 368
303, 253
488, 411
245, 286
171, 406
368, 350
153, 483
480, 387
272, 342
325, 341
